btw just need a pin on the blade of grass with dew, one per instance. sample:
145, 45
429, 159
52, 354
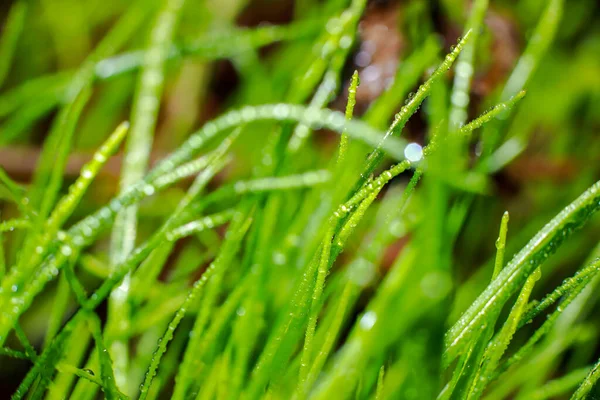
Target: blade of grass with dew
305, 362
581, 278
48, 176
469, 363
488, 116
81, 373
279, 346
500, 342
137, 152
67, 204
547, 325
334, 47
373, 251
343, 146
412, 106
20, 355
107, 376
24, 340
49, 357
77, 347
84, 231
229, 249
48, 271
12, 224
513, 276
587, 384
322, 270
84, 389
380, 381
408, 74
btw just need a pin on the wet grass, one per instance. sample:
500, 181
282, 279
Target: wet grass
258, 242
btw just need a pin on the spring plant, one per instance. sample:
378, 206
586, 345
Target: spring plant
210, 209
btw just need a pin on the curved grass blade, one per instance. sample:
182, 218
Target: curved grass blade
491, 114
84, 231
67, 205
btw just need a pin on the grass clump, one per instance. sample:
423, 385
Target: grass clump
238, 236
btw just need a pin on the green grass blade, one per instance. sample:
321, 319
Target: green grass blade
401, 118
354, 82
500, 342
137, 152
524, 263
228, 252
107, 375
587, 384
460, 97
13, 27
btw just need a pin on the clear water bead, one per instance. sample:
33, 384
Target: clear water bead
413, 152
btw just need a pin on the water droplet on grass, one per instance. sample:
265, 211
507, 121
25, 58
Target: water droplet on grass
368, 320
413, 152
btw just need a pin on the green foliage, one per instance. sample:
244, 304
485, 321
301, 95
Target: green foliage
262, 258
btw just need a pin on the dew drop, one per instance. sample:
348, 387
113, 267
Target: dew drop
368, 320
86, 173
413, 152
66, 250
149, 190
